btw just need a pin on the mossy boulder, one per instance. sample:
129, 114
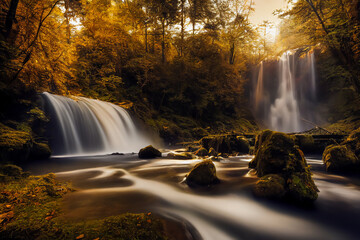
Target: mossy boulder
180, 156
340, 158
278, 154
202, 152
301, 187
278, 158
40, 151
14, 145
227, 143
149, 152
270, 186
202, 174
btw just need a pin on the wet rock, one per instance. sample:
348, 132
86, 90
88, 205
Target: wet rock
277, 157
301, 187
202, 152
180, 156
340, 158
203, 174
149, 152
270, 186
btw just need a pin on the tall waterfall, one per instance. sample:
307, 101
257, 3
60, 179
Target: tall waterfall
285, 92
86, 127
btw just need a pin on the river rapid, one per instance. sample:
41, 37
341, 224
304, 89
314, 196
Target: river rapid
115, 184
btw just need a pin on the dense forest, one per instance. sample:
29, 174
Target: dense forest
178, 64
197, 74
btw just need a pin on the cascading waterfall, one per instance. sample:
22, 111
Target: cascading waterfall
284, 113
285, 98
86, 127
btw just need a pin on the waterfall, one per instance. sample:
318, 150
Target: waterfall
286, 96
89, 127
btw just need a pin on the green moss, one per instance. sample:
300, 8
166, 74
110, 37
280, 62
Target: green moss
340, 158
203, 174
301, 188
149, 152
270, 186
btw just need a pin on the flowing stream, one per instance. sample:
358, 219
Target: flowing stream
111, 185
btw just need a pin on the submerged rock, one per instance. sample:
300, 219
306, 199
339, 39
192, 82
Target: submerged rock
203, 174
340, 158
149, 152
278, 158
202, 152
180, 156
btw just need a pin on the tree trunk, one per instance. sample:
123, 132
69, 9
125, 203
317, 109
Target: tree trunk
163, 41
10, 18
182, 27
146, 37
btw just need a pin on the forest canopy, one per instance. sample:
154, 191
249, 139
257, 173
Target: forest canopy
184, 63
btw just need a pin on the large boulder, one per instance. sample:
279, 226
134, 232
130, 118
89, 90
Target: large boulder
149, 152
282, 169
340, 158
226, 143
202, 174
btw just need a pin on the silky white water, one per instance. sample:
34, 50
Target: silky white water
87, 126
284, 92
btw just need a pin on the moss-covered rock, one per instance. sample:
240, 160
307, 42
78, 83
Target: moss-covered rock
180, 156
203, 174
301, 187
353, 142
149, 152
9, 172
202, 152
340, 158
14, 145
40, 151
227, 143
277, 157
270, 186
